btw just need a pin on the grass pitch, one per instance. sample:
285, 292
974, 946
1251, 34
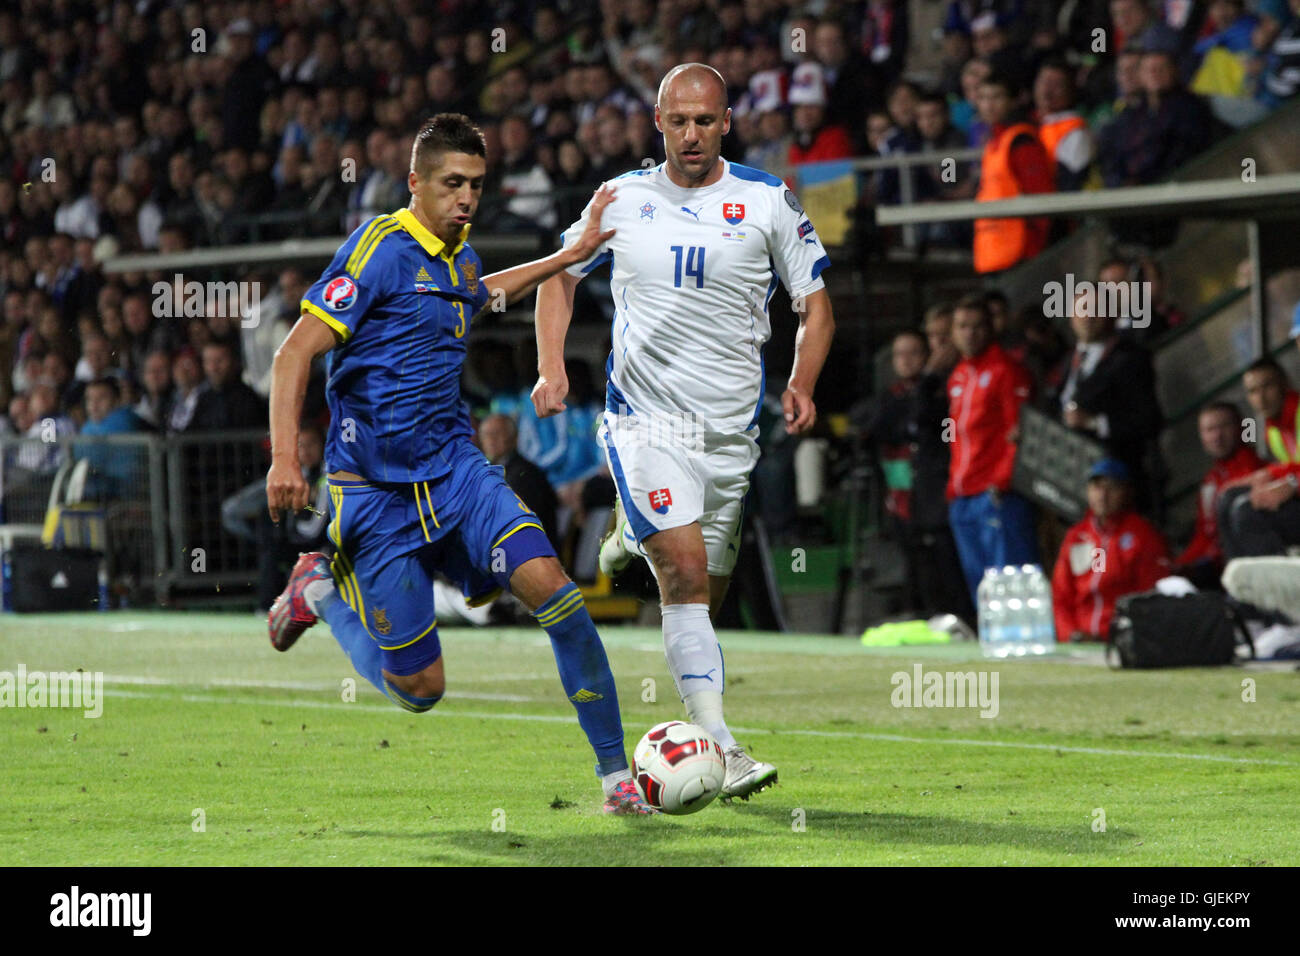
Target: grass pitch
214, 749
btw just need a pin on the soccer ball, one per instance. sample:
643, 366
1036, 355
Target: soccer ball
678, 767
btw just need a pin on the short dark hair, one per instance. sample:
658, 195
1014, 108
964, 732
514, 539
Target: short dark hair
934, 96
914, 334
108, 382
1267, 364
1003, 79
445, 133
975, 302
1229, 408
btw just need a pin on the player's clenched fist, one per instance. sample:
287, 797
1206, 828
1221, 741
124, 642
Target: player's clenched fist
286, 489
548, 394
800, 412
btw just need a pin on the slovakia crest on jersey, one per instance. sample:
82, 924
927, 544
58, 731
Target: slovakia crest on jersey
340, 293
661, 501
733, 213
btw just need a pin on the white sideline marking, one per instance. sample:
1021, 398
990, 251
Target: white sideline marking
236, 682
554, 719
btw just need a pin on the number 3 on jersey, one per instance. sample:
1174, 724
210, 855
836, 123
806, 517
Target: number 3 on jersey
694, 265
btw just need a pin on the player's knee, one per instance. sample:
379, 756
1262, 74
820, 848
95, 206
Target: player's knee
417, 693
684, 579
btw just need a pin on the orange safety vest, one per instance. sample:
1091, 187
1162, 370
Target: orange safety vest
1001, 243
1052, 133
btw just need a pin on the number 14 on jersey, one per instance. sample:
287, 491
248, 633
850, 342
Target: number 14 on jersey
694, 265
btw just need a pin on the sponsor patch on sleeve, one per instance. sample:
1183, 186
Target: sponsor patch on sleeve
805, 227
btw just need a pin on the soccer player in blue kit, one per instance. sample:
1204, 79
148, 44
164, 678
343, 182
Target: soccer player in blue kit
409, 492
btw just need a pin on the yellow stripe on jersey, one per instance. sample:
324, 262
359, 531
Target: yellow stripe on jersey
419, 508
398, 647
380, 236
379, 222
333, 323
429, 498
518, 527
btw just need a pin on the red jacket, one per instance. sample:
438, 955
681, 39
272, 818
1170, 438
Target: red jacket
984, 398
829, 142
1204, 545
1098, 566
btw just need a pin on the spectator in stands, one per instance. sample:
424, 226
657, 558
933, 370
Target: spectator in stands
1133, 23
815, 139
248, 82
156, 390
992, 525
1219, 426
111, 466
276, 314
1106, 388
1112, 552
853, 84
1062, 129
244, 515
964, 114
906, 427
187, 379
1148, 142
1014, 164
225, 402
498, 436
96, 360
885, 37
771, 147
935, 134
1260, 514
50, 426
1281, 75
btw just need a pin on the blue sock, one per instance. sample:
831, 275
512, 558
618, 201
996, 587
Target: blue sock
351, 634
585, 674
364, 653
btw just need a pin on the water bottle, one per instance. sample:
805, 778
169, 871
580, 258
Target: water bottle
103, 585
1043, 638
1017, 616
992, 594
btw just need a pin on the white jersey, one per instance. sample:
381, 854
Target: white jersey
692, 273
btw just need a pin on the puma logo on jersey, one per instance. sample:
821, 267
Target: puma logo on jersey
693, 213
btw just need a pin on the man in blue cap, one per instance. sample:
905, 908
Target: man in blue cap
1112, 552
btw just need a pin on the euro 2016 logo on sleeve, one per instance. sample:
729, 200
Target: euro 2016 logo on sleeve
733, 213
340, 294
661, 501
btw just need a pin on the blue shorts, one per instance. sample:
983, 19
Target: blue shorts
389, 540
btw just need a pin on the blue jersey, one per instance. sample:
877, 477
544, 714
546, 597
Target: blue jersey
401, 301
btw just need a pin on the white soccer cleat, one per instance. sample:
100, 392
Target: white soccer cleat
745, 775
619, 547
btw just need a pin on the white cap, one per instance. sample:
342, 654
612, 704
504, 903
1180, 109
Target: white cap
808, 86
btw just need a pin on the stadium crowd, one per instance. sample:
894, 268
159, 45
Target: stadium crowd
164, 126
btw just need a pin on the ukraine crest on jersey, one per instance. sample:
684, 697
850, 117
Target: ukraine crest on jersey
692, 272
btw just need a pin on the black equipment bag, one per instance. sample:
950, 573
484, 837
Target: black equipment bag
1156, 630
54, 579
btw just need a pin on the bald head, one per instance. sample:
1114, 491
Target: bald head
692, 114
697, 80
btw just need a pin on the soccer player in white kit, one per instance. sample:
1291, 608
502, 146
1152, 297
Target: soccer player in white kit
698, 248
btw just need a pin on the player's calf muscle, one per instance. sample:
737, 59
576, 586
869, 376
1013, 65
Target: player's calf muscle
536, 580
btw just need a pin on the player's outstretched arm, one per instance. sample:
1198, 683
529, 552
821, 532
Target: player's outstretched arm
516, 283
554, 310
812, 343
309, 338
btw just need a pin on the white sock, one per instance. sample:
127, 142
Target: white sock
695, 661
315, 594
612, 780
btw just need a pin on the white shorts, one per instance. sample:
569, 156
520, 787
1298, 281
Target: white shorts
669, 478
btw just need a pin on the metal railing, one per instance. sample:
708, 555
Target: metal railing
153, 502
